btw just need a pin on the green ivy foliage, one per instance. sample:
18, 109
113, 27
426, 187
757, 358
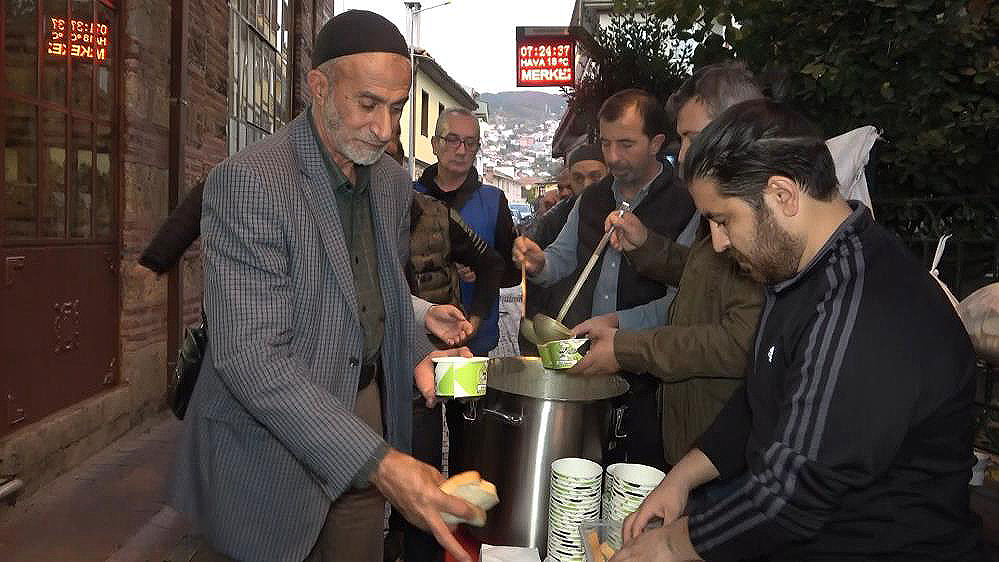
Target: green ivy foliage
926, 72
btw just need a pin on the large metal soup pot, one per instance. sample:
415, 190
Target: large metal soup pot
529, 417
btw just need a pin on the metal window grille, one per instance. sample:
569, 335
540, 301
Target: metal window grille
259, 54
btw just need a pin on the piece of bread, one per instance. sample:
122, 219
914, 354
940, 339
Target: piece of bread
470, 487
607, 551
452, 484
593, 542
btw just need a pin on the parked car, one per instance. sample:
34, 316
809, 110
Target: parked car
520, 212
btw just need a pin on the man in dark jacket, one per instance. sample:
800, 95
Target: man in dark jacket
585, 168
439, 239
454, 181
852, 437
176, 234
700, 355
633, 127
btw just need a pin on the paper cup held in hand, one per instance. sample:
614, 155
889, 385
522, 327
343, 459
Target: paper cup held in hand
459, 377
562, 354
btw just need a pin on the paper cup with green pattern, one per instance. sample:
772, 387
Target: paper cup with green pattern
459, 377
563, 354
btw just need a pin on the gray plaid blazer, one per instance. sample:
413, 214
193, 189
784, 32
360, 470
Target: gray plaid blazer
270, 439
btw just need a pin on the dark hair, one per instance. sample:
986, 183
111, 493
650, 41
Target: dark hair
654, 118
717, 86
754, 140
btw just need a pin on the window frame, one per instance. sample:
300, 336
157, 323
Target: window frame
260, 50
70, 114
424, 112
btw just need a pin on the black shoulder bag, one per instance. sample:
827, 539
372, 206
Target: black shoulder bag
185, 373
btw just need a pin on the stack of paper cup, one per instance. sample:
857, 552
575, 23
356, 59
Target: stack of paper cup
574, 499
625, 487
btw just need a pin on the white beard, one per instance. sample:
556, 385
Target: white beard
352, 149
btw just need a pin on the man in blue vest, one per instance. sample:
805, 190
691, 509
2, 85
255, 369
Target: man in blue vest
454, 181
633, 128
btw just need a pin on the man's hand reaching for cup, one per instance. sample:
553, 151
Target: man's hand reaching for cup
670, 543
600, 359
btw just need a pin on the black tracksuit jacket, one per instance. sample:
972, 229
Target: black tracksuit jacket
852, 437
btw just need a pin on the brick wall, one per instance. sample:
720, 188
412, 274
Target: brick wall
43, 450
310, 15
206, 143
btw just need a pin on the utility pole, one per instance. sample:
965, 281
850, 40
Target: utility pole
414, 9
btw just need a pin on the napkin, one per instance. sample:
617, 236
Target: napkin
490, 553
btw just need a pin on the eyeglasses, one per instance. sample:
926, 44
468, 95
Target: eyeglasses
453, 141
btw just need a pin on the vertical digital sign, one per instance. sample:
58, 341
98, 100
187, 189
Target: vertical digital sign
545, 60
81, 39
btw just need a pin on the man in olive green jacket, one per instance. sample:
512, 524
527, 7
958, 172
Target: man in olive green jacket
701, 354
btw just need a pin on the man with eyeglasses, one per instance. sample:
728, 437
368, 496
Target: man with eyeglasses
454, 181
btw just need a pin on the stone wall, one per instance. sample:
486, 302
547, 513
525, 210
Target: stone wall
310, 15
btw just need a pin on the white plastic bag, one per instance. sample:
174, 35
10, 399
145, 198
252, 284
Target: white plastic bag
980, 314
851, 151
941, 246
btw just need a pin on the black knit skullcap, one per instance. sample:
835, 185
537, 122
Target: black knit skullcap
357, 31
586, 152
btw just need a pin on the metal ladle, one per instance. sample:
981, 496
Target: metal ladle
545, 328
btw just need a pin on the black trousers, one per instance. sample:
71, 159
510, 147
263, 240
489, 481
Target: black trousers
419, 545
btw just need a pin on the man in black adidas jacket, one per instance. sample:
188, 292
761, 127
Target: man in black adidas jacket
851, 439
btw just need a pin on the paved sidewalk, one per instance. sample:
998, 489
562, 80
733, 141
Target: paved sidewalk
110, 508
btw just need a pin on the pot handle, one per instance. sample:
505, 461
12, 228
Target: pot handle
470, 411
510, 419
618, 421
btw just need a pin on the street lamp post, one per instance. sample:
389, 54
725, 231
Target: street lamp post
414, 9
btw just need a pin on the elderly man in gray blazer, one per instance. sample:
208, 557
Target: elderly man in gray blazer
295, 433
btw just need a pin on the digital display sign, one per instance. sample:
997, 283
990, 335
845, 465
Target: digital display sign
546, 61
81, 39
